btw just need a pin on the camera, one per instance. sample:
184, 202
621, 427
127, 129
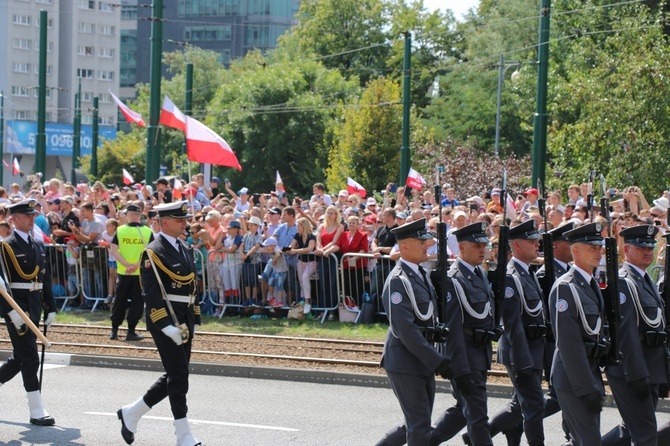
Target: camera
474, 208
298, 200
393, 187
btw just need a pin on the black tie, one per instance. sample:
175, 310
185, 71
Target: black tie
596, 288
650, 282
481, 275
425, 276
180, 250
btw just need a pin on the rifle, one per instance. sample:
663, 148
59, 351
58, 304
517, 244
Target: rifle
589, 197
665, 290
611, 290
439, 277
548, 250
500, 272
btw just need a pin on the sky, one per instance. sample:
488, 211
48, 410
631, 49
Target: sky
459, 7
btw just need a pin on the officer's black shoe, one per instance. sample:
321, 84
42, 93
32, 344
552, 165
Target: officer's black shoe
128, 436
466, 439
44, 421
513, 436
132, 336
113, 336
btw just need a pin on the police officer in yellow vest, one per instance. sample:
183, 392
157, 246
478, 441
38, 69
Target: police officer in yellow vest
127, 247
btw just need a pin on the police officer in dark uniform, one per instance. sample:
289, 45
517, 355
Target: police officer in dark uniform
521, 349
470, 318
168, 278
24, 271
576, 307
642, 343
410, 357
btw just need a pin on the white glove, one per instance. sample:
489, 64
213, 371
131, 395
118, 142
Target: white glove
17, 321
173, 333
195, 328
50, 319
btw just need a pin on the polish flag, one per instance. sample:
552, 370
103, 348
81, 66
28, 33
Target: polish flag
176, 190
279, 184
171, 116
511, 208
355, 188
205, 146
127, 177
414, 179
15, 167
6, 164
131, 116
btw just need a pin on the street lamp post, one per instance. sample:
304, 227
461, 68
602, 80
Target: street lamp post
503, 66
3, 97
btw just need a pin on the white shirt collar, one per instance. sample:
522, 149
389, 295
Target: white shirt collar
24, 235
520, 263
584, 274
173, 241
642, 272
467, 265
562, 264
413, 266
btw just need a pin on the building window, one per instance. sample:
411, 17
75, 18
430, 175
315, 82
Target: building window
23, 92
50, 46
106, 7
207, 33
50, 22
224, 58
86, 4
20, 19
22, 44
46, 2
128, 12
107, 120
105, 98
107, 30
23, 114
84, 50
200, 8
87, 119
19, 67
84, 73
106, 52
105, 75
49, 69
86, 27
86, 96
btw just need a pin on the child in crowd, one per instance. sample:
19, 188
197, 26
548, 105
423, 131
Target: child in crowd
231, 266
275, 273
110, 230
71, 256
251, 243
5, 230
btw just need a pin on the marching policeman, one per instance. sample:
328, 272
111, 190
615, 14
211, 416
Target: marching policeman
470, 318
168, 278
642, 343
127, 248
521, 349
410, 358
576, 308
24, 269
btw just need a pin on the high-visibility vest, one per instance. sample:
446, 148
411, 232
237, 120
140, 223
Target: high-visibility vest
132, 240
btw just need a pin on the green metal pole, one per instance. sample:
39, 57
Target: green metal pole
2, 133
406, 104
76, 143
153, 134
94, 142
540, 119
41, 147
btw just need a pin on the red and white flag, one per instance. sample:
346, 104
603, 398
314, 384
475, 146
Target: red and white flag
279, 184
131, 116
6, 164
205, 146
176, 190
414, 179
127, 177
355, 188
171, 116
15, 167
511, 208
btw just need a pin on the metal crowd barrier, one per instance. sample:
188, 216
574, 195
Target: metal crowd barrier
64, 276
93, 272
324, 285
656, 273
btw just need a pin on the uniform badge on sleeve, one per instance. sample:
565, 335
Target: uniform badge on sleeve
147, 264
622, 298
396, 298
561, 305
509, 292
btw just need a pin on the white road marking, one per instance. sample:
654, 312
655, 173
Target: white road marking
218, 423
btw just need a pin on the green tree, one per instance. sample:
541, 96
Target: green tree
126, 150
274, 111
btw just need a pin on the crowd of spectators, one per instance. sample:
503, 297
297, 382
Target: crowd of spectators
266, 249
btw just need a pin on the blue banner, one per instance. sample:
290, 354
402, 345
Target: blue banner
22, 138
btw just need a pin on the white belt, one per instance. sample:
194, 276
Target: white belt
180, 298
32, 286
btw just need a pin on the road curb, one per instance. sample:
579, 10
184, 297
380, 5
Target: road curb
271, 373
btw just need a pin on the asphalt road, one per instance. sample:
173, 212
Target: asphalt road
223, 411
